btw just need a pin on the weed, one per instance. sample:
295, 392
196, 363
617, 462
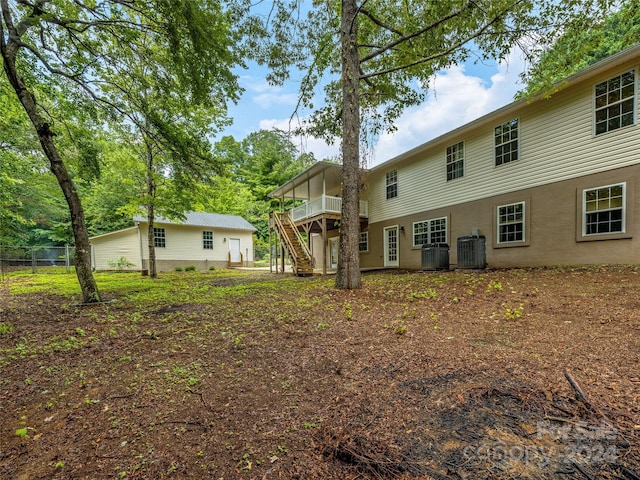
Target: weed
22, 433
5, 327
429, 293
190, 268
80, 332
494, 286
513, 313
322, 326
120, 264
400, 329
286, 384
178, 269
348, 312
238, 342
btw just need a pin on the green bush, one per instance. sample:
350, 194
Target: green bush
190, 268
178, 269
212, 268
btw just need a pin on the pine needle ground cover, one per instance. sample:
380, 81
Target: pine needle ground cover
524, 373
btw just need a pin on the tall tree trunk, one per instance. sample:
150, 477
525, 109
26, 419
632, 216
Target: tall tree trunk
348, 275
87, 282
151, 194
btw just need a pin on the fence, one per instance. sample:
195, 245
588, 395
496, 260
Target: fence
16, 258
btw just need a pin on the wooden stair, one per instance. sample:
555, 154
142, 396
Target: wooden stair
294, 244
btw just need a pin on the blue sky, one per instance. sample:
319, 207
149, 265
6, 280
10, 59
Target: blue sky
457, 96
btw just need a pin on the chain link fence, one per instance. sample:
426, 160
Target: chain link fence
35, 257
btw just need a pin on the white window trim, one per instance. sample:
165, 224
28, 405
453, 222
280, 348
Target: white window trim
463, 160
206, 240
446, 230
524, 224
387, 184
624, 210
635, 104
495, 164
366, 241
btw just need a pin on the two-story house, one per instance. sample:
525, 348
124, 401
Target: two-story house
543, 181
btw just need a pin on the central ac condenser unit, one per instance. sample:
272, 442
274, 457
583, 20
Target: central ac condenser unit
471, 252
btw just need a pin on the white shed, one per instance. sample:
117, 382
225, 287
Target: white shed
203, 240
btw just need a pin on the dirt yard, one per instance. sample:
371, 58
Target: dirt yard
506, 374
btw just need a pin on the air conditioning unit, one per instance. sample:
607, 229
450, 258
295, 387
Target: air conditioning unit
472, 252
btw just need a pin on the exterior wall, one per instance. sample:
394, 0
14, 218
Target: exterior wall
111, 247
553, 227
184, 247
556, 143
558, 157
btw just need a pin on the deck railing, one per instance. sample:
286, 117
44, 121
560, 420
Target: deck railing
324, 204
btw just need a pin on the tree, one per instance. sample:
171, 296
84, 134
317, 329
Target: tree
85, 49
386, 53
576, 49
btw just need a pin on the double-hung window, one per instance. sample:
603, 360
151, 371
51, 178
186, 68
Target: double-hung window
455, 161
392, 184
615, 101
207, 240
159, 237
604, 209
506, 142
511, 223
430, 231
363, 242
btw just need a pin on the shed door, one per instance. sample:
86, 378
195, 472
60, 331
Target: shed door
234, 250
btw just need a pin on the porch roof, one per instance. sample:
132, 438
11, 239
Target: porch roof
308, 184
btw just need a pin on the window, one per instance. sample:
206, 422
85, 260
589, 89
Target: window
511, 223
392, 184
207, 240
506, 142
430, 231
615, 103
455, 161
363, 243
159, 237
604, 209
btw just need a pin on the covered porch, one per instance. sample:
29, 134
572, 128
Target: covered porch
312, 200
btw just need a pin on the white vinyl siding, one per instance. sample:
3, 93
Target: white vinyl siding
184, 243
556, 142
111, 247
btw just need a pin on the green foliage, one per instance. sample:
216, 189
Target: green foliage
120, 263
190, 268
5, 328
579, 47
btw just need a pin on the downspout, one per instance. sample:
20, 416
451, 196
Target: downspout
140, 246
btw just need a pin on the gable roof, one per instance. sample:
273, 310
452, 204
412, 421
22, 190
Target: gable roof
203, 219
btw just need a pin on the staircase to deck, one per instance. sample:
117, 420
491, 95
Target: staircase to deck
293, 243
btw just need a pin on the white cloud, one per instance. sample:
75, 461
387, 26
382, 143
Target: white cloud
273, 99
455, 98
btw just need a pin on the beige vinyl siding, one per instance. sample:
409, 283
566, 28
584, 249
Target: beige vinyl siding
185, 244
556, 143
111, 247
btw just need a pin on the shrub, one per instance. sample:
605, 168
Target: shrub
212, 268
190, 268
178, 269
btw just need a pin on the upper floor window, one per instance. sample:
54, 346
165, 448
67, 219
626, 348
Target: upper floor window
511, 223
506, 142
430, 231
615, 103
159, 237
392, 184
455, 161
604, 209
207, 240
363, 242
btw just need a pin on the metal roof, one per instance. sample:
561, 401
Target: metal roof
203, 219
